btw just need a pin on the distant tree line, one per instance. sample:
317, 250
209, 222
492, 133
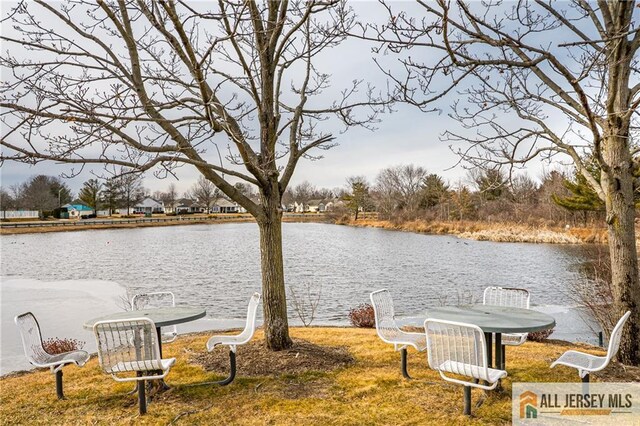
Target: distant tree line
408, 192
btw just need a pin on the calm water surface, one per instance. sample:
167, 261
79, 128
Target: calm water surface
217, 266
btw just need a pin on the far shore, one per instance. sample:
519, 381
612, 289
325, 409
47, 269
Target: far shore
119, 223
491, 231
473, 230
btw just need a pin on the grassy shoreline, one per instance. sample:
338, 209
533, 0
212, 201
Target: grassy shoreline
473, 230
491, 231
369, 390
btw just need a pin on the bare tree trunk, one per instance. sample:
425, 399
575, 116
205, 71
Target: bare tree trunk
276, 324
618, 188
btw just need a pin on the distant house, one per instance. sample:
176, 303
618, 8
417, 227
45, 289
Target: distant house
300, 207
149, 205
76, 211
224, 206
316, 206
185, 205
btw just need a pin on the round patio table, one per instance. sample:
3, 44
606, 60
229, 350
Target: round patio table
493, 320
161, 317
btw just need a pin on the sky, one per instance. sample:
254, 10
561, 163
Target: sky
407, 136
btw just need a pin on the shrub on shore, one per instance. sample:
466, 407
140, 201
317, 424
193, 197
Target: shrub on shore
55, 346
362, 316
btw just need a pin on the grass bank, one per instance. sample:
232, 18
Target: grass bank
491, 231
369, 389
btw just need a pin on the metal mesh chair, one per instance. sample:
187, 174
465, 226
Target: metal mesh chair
39, 357
587, 363
459, 348
233, 341
131, 346
506, 296
388, 329
161, 299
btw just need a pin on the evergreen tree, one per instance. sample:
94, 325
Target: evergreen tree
359, 198
583, 197
435, 190
90, 193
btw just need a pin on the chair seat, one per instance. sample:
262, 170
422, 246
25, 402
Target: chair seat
225, 340
78, 357
474, 371
581, 361
417, 340
515, 339
144, 365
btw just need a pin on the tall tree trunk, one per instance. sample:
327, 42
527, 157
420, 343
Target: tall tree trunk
618, 187
274, 303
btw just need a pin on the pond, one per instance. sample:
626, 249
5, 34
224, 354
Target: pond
218, 267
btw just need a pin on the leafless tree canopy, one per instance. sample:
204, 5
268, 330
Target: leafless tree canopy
230, 87
546, 63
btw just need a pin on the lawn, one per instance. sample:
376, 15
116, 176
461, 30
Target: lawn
363, 387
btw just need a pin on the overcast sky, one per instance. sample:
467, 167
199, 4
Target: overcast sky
407, 136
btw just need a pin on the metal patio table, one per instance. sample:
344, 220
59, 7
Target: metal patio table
161, 317
493, 320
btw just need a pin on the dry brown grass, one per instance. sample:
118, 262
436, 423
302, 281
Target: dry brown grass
369, 391
491, 231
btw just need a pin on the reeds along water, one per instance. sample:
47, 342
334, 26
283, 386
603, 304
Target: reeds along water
486, 231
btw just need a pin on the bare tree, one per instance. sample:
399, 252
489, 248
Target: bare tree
205, 192
542, 79
169, 198
405, 182
303, 192
132, 191
154, 85
305, 302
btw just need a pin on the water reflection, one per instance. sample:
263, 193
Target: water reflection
217, 266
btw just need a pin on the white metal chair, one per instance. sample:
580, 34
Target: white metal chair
587, 363
160, 299
388, 329
39, 357
131, 346
459, 348
233, 341
507, 296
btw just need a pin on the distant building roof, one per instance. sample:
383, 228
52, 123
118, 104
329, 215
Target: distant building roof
224, 203
79, 207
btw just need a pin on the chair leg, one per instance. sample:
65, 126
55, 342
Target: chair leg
403, 363
503, 364
585, 379
142, 397
59, 390
232, 373
467, 400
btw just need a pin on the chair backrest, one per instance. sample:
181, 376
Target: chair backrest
160, 299
506, 296
252, 311
461, 345
384, 315
616, 335
131, 342
31, 338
